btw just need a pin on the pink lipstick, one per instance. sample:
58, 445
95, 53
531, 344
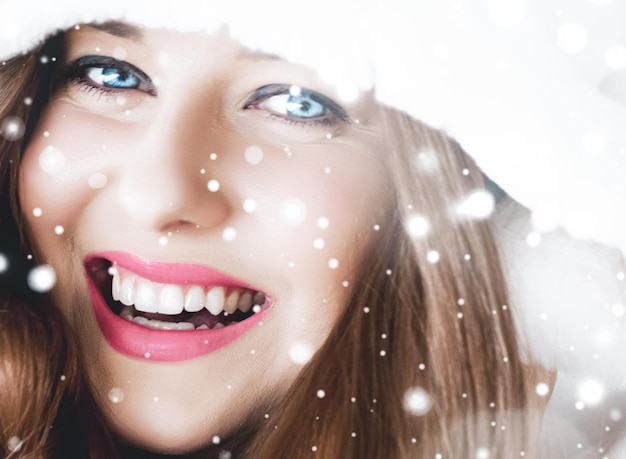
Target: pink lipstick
166, 345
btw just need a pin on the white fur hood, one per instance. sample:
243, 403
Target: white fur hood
534, 90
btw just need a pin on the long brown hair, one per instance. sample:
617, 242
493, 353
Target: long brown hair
436, 332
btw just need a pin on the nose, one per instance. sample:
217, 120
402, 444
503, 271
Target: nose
164, 181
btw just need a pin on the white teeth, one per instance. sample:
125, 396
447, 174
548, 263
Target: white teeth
116, 286
171, 300
203, 327
215, 300
145, 297
194, 300
245, 301
127, 292
218, 326
232, 301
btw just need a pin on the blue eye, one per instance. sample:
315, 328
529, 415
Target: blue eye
112, 78
107, 74
296, 104
300, 106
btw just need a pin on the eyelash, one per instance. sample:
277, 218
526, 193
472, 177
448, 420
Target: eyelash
76, 73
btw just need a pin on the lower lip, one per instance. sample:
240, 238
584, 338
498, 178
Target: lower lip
144, 343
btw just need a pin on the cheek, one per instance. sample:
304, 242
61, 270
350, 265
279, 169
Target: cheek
62, 169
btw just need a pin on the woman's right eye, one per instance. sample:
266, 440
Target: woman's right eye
107, 74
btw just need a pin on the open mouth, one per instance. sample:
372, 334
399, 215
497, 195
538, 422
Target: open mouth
163, 306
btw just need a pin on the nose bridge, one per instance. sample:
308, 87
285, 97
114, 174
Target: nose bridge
162, 182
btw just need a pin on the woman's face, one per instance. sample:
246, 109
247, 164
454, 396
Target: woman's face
231, 198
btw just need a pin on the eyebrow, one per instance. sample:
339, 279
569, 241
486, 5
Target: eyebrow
119, 29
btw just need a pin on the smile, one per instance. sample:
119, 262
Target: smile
169, 311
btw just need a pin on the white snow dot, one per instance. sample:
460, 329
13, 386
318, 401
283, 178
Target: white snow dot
37, 212
229, 234
59, 230
421, 366
249, 205
461, 301
533, 239
295, 90
366, 310
383, 353
467, 257
147, 356
333, 263
376, 227
292, 211
301, 352
12, 128
345, 283
321, 393
97, 180
459, 315
479, 204
417, 226
483, 453
323, 222
591, 392
256, 309
542, 389
319, 243
51, 160
571, 37
417, 401
213, 185
28, 101
620, 276
213, 156
615, 57
506, 13
42, 278
4, 263
618, 310
163, 241
433, 256
579, 406
253, 154
116, 395
615, 415
216, 440
14, 444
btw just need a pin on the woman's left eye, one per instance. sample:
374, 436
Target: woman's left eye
296, 104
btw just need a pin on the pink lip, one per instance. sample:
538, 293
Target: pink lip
166, 345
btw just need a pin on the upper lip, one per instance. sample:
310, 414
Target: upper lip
171, 273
